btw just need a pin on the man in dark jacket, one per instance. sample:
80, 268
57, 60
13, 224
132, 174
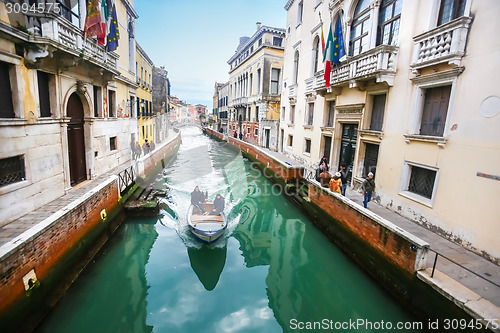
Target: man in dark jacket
197, 198
368, 188
344, 173
218, 206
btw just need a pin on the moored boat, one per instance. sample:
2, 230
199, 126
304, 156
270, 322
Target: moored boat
207, 228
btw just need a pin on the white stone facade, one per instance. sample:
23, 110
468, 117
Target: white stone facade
414, 105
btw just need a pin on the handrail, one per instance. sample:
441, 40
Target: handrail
456, 263
126, 177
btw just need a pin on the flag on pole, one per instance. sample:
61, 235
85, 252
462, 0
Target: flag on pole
328, 57
101, 38
322, 36
93, 20
338, 43
114, 33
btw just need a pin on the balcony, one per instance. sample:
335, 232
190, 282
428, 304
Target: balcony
377, 64
61, 35
316, 82
240, 101
443, 44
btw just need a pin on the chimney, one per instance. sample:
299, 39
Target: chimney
258, 25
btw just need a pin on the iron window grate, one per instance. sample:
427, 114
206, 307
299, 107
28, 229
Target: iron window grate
12, 170
422, 181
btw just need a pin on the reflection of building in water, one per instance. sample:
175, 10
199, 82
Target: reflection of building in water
287, 259
253, 232
124, 291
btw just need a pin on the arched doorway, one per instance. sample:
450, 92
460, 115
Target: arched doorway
76, 140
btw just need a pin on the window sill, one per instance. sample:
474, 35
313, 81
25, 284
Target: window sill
440, 141
378, 134
306, 154
417, 198
291, 125
327, 129
289, 147
310, 127
13, 187
13, 121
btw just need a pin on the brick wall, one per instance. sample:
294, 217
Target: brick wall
43, 247
282, 171
388, 243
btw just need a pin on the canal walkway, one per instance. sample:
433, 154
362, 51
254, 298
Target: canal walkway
15, 230
476, 295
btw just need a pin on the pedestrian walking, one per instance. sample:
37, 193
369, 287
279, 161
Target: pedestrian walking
146, 147
137, 150
336, 183
344, 173
322, 175
324, 160
368, 189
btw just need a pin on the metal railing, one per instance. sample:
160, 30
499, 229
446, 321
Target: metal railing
461, 266
309, 174
126, 177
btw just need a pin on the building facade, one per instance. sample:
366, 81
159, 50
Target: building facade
411, 101
161, 102
255, 77
65, 115
145, 116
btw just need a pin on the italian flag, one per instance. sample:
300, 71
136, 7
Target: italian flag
328, 57
101, 37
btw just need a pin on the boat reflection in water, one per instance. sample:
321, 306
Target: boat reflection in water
207, 262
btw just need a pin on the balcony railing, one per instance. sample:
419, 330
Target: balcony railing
69, 37
378, 63
240, 101
315, 82
442, 44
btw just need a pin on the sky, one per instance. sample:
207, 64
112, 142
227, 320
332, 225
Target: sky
194, 39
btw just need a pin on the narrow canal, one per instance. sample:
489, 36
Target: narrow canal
272, 271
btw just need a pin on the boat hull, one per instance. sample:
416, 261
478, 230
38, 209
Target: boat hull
206, 228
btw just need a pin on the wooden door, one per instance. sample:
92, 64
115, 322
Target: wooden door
76, 140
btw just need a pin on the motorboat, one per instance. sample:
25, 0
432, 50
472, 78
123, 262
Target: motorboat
204, 226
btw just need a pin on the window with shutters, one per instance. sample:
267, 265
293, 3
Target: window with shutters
435, 111
310, 114
377, 116
330, 115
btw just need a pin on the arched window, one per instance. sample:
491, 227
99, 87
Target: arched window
359, 29
316, 54
388, 22
296, 67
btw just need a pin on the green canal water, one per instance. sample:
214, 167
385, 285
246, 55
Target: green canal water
272, 271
